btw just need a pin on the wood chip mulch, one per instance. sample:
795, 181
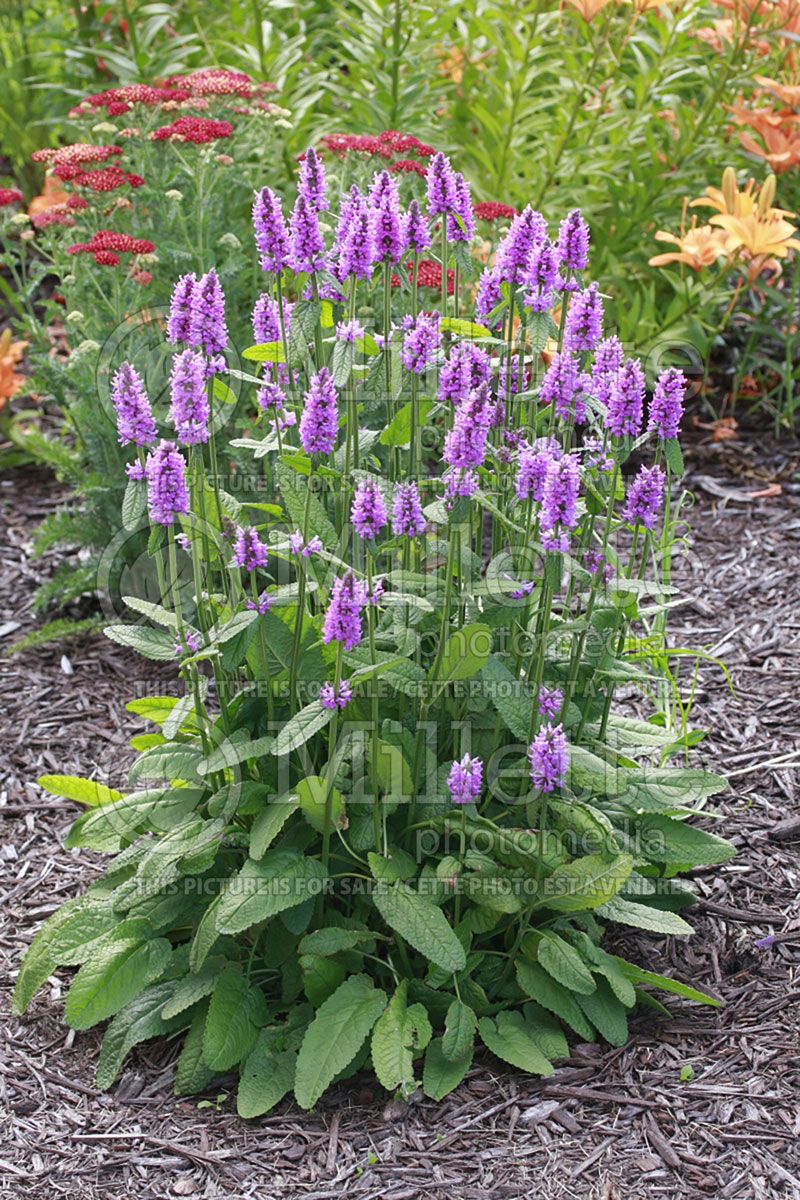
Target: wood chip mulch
703, 1105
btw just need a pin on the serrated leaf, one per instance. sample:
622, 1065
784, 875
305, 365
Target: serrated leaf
138, 1022
510, 697
674, 456
269, 822
606, 1013
564, 963
541, 987
513, 1044
293, 495
155, 644
466, 652
440, 1075
663, 839
639, 975
236, 1010
641, 916
398, 431
424, 926
586, 882
114, 976
333, 940
399, 1033
280, 880
76, 923
171, 761
83, 791
459, 1032
134, 504
192, 1073
265, 352
231, 753
267, 1076
155, 612
302, 726
337, 1033
193, 988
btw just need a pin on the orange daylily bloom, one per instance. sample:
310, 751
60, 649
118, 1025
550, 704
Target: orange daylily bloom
772, 238
10, 354
724, 33
788, 93
782, 148
698, 247
589, 9
741, 202
52, 194
762, 118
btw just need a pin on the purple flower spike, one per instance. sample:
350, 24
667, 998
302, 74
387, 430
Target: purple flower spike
368, 512
421, 342
311, 184
272, 238
550, 701
407, 517
465, 444
466, 368
417, 237
266, 319
560, 500
549, 758
192, 644
356, 248
645, 497
584, 326
262, 605
319, 423
462, 208
167, 496
488, 295
666, 409
388, 235
527, 230
626, 400
343, 618
136, 472
306, 245
338, 697
465, 780
189, 410
208, 332
180, 309
249, 552
134, 416
542, 277
441, 184
563, 386
534, 463
573, 242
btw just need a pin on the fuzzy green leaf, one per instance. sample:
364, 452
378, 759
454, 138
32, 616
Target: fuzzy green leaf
267, 1076
424, 926
236, 1010
112, 978
282, 879
440, 1075
336, 1035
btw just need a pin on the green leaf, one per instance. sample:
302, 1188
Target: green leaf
84, 791
641, 916
231, 753
155, 612
510, 697
639, 975
314, 795
335, 1036
269, 822
206, 935
564, 963
294, 494
586, 882
546, 1032
321, 976
424, 926
606, 1013
193, 1073
440, 1075
537, 984
398, 431
193, 988
400, 1032
171, 761
265, 352
282, 879
466, 652
267, 1076
459, 1032
674, 455
672, 787
236, 1010
665, 840
302, 726
134, 504
66, 937
512, 1042
463, 329
155, 644
332, 940
138, 1022
114, 976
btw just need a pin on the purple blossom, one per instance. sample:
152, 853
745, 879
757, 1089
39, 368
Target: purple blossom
526, 231
338, 697
272, 238
346, 210
180, 309
407, 515
560, 500
462, 207
134, 416
765, 943
319, 423
421, 342
167, 496
550, 701
524, 590
311, 183
249, 552
343, 617
262, 605
441, 185
465, 444
306, 244
386, 223
549, 758
189, 410
382, 186
573, 242
266, 319
460, 482
271, 396
417, 237
135, 472
541, 277
666, 408
563, 386
596, 455
533, 465
356, 246
466, 367
182, 540
584, 326
645, 497
303, 548
192, 644
465, 780
626, 400
207, 329
488, 295
349, 331
368, 512
376, 595
608, 358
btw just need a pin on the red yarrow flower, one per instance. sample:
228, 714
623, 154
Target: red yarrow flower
9, 196
197, 130
492, 210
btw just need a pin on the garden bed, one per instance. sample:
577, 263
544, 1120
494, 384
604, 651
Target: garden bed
703, 1105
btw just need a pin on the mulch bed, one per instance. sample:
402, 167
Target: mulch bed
611, 1124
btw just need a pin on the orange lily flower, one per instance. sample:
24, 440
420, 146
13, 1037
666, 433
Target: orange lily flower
52, 194
788, 93
699, 246
759, 238
10, 354
589, 9
782, 148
